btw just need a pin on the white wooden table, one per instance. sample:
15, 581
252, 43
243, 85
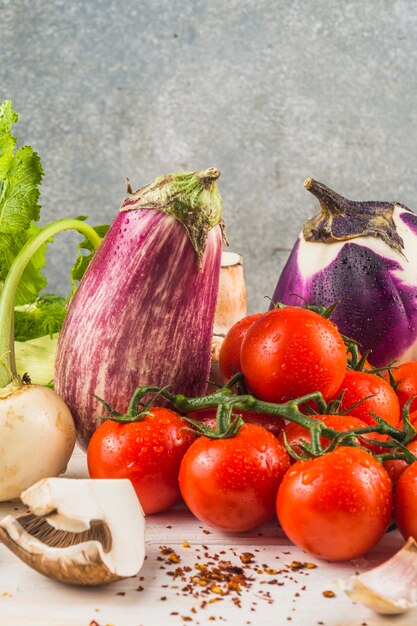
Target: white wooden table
278, 595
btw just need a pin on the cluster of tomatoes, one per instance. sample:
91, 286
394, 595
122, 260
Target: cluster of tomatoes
336, 505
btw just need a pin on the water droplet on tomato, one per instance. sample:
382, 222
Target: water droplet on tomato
310, 476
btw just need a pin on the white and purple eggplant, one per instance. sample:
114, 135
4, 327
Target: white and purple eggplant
143, 313
362, 255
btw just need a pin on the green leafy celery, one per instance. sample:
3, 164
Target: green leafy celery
20, 176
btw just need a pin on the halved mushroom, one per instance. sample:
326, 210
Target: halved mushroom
81, 532
390, 588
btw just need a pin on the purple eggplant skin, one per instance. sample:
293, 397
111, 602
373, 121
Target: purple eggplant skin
371, 275
142, 315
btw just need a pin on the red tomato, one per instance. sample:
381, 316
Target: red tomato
148, 452
229, 356
271, 423
295, 433
406, 502
384, 402
291, 352
232, 483
405, 376
397, 467
336, 506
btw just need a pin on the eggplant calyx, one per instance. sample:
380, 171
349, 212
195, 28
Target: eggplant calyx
341, 219
190, 197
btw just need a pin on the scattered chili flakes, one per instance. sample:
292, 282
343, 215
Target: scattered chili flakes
210, 580
329, 593
297, 565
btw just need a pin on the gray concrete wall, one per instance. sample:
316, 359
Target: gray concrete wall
268, 91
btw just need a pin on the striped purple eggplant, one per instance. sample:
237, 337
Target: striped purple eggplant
362, 255
143, 313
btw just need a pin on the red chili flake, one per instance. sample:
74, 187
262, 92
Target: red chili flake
163, 598
121, 593
186, 618
270, 571
246, 557
206, 532
174, 613
165, 550
93, 623
140, 588
329, 593
174, 558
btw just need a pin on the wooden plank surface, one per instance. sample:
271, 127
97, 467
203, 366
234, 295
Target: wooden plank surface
278, 593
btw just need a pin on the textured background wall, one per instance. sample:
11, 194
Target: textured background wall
268, 91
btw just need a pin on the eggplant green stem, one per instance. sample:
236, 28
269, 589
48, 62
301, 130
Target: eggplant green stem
8, 371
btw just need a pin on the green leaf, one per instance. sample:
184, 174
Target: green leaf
19, 194
41, 318
32, 281
85, 254
7, 142
20, 177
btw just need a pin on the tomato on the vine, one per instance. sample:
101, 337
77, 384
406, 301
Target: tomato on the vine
148, 452
406, 502
273, 423
405, 378
336, 506
381, 399
232, 483
229, 356
290, 352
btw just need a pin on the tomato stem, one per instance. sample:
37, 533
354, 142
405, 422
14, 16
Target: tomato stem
228, 425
